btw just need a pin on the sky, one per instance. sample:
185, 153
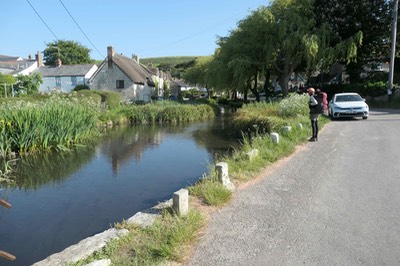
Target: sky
147, 28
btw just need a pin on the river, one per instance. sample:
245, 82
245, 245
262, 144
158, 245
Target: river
60, 198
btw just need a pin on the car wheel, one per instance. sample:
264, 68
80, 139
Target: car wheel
330, 113
365, 117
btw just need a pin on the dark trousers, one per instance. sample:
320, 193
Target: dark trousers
314, 126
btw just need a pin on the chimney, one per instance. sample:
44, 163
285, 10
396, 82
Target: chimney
110, 54
30, 57
58, 62
135, 57
39, 59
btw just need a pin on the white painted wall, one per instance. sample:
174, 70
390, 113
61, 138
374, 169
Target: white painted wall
106, 79
28, 70
67, 83
50, 84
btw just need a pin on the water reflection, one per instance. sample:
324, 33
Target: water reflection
60, 198
34, 171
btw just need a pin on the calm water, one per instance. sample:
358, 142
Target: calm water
60, 199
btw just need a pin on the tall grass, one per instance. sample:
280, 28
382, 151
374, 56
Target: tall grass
211, 191
54, 123
264, 117
168, 112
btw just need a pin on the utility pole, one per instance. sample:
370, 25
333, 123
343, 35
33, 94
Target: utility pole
393, 50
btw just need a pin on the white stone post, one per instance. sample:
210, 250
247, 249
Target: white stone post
252, 154
275, 137
223, 176
180, 201
286, 129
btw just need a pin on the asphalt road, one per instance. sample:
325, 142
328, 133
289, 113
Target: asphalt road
334, 202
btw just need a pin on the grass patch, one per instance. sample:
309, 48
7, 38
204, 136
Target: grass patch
166, 240
211, 191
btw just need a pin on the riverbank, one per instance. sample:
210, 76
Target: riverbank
241, 170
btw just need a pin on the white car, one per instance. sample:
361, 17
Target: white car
349, 104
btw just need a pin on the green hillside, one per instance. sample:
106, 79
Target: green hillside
168, 60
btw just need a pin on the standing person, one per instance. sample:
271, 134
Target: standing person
323, 97
312, 104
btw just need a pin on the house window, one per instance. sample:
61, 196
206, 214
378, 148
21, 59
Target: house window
58, 81
120, 84
74, 81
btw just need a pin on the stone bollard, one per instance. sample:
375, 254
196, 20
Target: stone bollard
300, 125
223, 176
275, 137
286, 129
252, 154
180, 202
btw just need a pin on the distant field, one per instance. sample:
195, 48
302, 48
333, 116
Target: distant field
170, 60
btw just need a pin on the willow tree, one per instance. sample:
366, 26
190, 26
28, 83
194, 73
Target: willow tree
197, 74
240, 60
254, 49
279, 39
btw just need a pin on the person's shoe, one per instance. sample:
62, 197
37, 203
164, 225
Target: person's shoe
312, 139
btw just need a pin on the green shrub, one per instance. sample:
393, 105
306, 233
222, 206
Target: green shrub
89, 94
367, 88
222, 100
235, 104
81, 87
111, 99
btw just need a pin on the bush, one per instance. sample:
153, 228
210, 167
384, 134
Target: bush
96, 98
111, 99
368, 88
222, 100
81, 87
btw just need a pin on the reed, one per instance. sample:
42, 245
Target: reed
168, 112
59, 124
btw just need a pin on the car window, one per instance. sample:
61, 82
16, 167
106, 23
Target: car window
348, 98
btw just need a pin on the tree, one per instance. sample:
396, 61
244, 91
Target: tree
277, 40
197, 74
242, 57
348, 17
70, 52
28, 84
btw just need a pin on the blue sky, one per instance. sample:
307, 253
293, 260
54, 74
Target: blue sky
148, 28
